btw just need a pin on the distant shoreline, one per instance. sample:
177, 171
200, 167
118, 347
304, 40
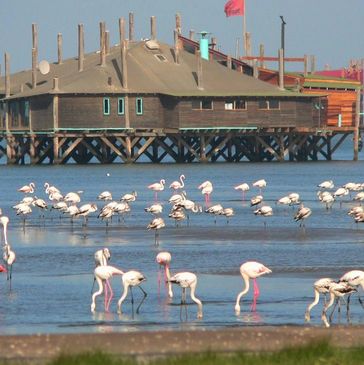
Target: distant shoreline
44, 347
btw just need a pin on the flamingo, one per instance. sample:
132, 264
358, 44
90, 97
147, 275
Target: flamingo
176, 185
121, 209
8, 255
251, 270
129, 197
154, 209
85, 210
27, 189
177, 214
327, 184
206, 189
294, 198
321, 286
51, 189
264, 211
164, 259
72, 198
244, 187
156, 224
340, 193
102, 275
337, 291
216, 210
256, 200
130, 279
101, 259
354, 278
260, 184
187, 280
302, 214
158, 186
105, 195
227, 212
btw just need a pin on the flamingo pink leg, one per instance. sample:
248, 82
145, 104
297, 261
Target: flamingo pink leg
105, 295
155, 196
256, 295
110, 297
165, 276
159, 282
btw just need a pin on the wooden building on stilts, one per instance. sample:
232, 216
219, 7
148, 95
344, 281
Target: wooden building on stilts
152, 102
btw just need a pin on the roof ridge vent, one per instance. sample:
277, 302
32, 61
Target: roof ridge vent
152, 44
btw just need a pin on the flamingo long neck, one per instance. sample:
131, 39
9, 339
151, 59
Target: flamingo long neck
168, 276
97, 293
5, 234
125, 293
315, 302
246, 289
181, 179
116, 271
196, 300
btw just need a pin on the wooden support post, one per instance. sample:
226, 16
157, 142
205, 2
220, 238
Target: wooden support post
81, 47
199, 70
32, 149
281, 69
55, 112
248, 45
357, 121
178, 23
202, 149
56, 157
7, 74
59, 48
228, 62
213, 42
35, 42
305, 65
176, 47
107, 42
124, 69
313, 64
261, 55
255, 69
121, 30
153, 28
192, 35
34, 68
102, 44
131, 27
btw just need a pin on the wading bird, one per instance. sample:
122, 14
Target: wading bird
27, 189
176, 185
206, 189
9, 256
302, 214
158, 186
251, 270
156, 224
321, 286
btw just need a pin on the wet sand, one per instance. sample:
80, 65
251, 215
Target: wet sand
143, 345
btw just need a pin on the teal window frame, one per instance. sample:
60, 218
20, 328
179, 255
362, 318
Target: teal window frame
139, 106
106, 106
121, 106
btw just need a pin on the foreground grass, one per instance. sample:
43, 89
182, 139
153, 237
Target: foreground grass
314, 354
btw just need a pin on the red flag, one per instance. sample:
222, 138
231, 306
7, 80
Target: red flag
234, 7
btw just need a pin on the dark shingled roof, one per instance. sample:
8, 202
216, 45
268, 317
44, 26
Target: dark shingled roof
147, 74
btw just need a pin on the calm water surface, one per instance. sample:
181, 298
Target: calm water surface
53, 274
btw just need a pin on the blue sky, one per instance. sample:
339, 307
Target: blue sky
329, 29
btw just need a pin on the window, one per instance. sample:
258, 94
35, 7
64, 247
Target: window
106, 106
238, 104
269, 104
139, 106
121, 110
205, 104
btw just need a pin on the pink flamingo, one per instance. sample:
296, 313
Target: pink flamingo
206, 189
164, 259
158, 186
102, 276
244, 187
251, 270
176, 185
8, 255
2, 269
27, 188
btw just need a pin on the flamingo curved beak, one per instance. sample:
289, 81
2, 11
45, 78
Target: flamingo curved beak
3, 269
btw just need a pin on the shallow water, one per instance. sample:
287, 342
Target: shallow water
53, 274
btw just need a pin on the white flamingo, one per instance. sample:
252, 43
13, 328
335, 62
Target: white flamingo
164, 259
102, 275
176, 185
327, 184
251, 270
129, 197
244, 187
8, 255
321, 286
302, 214
154, 209
260, 184
156, 187
131, 279
206, 189
105, 195
27, 189
156, 224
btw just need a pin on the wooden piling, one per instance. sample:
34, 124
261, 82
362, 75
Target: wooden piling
176, 47
281, 68
34, 68
131, 26
59, 48
35, 41
102, 44
7, 74
81, 47
107, 42
124, 70
178, 23
305, 65
153, 28
255, 69
213, 42
192, 35
357, 123
313, 64
228, 62
199, 70
261, 55
121, 30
